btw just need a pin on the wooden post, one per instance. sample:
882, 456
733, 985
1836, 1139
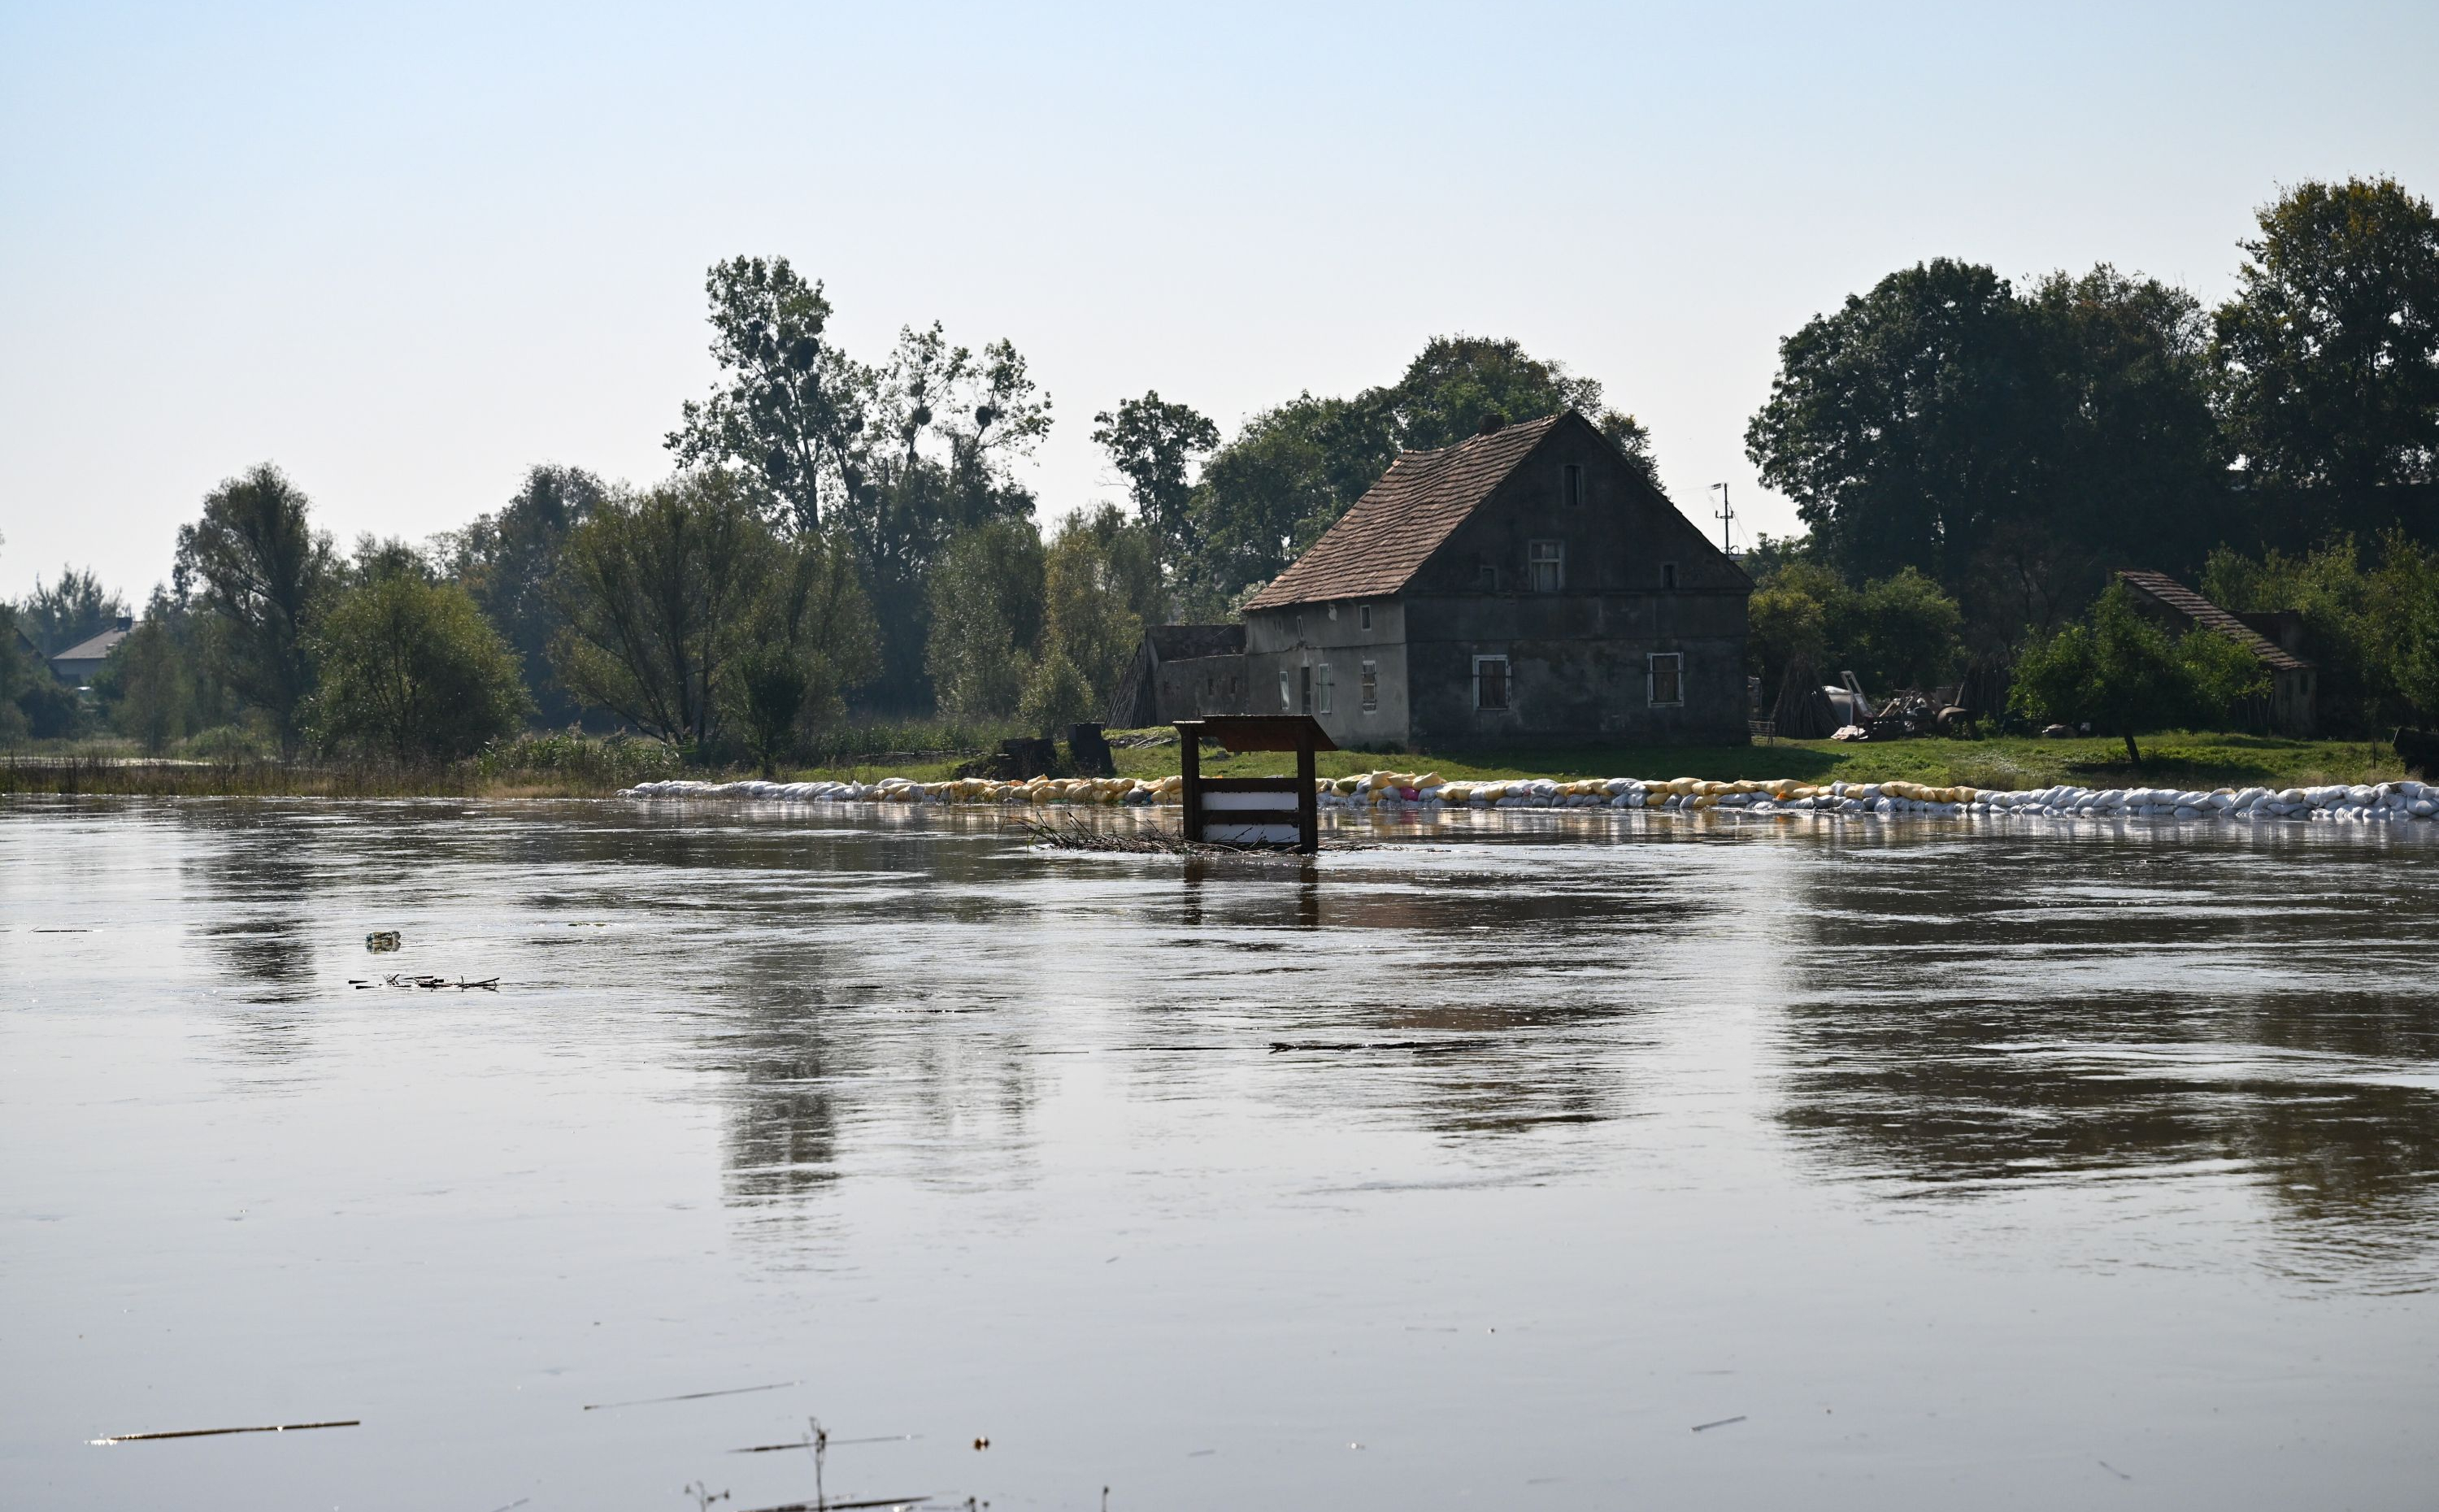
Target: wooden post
1189, 766
1308, 802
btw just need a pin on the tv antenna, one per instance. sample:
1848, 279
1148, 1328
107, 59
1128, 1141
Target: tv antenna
1725, 514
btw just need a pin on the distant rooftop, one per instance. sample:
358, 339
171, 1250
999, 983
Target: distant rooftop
2166, 590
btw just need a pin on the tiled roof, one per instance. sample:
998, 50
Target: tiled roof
95, 650
1380, 543
2166, 590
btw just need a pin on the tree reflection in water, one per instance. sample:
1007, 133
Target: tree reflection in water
1964, 1021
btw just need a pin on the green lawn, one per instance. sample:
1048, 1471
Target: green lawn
2190, 758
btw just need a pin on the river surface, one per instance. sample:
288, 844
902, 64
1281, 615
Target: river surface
1485, 1166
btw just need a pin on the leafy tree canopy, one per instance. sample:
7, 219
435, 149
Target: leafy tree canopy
2327, 358
2124, 674
257, 571
506, 561
69, 612
411, 671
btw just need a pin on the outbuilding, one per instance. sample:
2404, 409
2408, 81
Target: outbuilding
1528, 585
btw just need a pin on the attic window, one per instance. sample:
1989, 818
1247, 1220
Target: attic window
1364, 617
1667, 575
1489, 578
1571, 484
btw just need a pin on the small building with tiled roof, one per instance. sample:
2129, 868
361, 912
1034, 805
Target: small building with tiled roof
1526, 586
2292, 707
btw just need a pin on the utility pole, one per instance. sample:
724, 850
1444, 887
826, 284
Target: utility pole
1725, 514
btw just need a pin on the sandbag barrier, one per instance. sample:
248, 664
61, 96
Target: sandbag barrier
2360, 803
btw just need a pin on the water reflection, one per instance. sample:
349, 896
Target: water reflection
1966, 1022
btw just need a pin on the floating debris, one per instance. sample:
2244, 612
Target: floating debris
490, 984
216, 1433
382, 939
690, 1397
1723, 1422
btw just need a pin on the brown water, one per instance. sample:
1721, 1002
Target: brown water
2078, 1168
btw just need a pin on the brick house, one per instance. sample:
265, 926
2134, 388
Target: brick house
1525, 586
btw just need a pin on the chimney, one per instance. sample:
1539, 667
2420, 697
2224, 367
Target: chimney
1492, 424
126, 622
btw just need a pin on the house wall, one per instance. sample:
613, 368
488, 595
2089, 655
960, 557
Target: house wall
1191, 686
1579, 670
1284, 642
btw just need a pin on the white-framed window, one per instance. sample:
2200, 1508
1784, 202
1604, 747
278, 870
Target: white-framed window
1571, 484
1364, 617
1321, 688
1667, 575
1490, 690
1668, 677
1368, 685
1287, 695
1549, 560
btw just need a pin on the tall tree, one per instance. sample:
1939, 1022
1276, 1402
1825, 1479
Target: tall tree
814, 637
791, 408
2327, 358
75, 609
411, 671
257, 571
1154, 445
1457, 383
506, 561
659, 594
902, 455
1901, 424
1100, 584
986, 619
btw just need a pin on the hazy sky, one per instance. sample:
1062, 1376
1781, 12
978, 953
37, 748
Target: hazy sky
407, 251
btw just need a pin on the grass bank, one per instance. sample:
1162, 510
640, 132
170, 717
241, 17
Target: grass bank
569, 767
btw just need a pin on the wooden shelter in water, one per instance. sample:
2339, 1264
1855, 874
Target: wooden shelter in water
1282, 812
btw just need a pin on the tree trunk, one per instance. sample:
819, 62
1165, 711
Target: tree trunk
2132, 754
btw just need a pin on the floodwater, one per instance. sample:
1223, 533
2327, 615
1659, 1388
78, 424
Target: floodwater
1479, 1168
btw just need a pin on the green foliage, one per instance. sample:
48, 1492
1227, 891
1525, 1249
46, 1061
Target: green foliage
257, 572
815, 637
2371, 627
2327, 358
2011, 448
901, 457
68, 612
410, 671
149, 684
2124, 674
571, 761
506, 561
1896, 631
1154, 444
18, 670
987, 611
1100, 584
660, 592
378, 559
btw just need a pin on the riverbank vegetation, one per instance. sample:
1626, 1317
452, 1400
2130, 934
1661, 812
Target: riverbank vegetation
586, 767
847, 543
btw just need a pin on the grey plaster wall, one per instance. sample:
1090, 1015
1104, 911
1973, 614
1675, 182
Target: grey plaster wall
1191, 686
1281, 644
